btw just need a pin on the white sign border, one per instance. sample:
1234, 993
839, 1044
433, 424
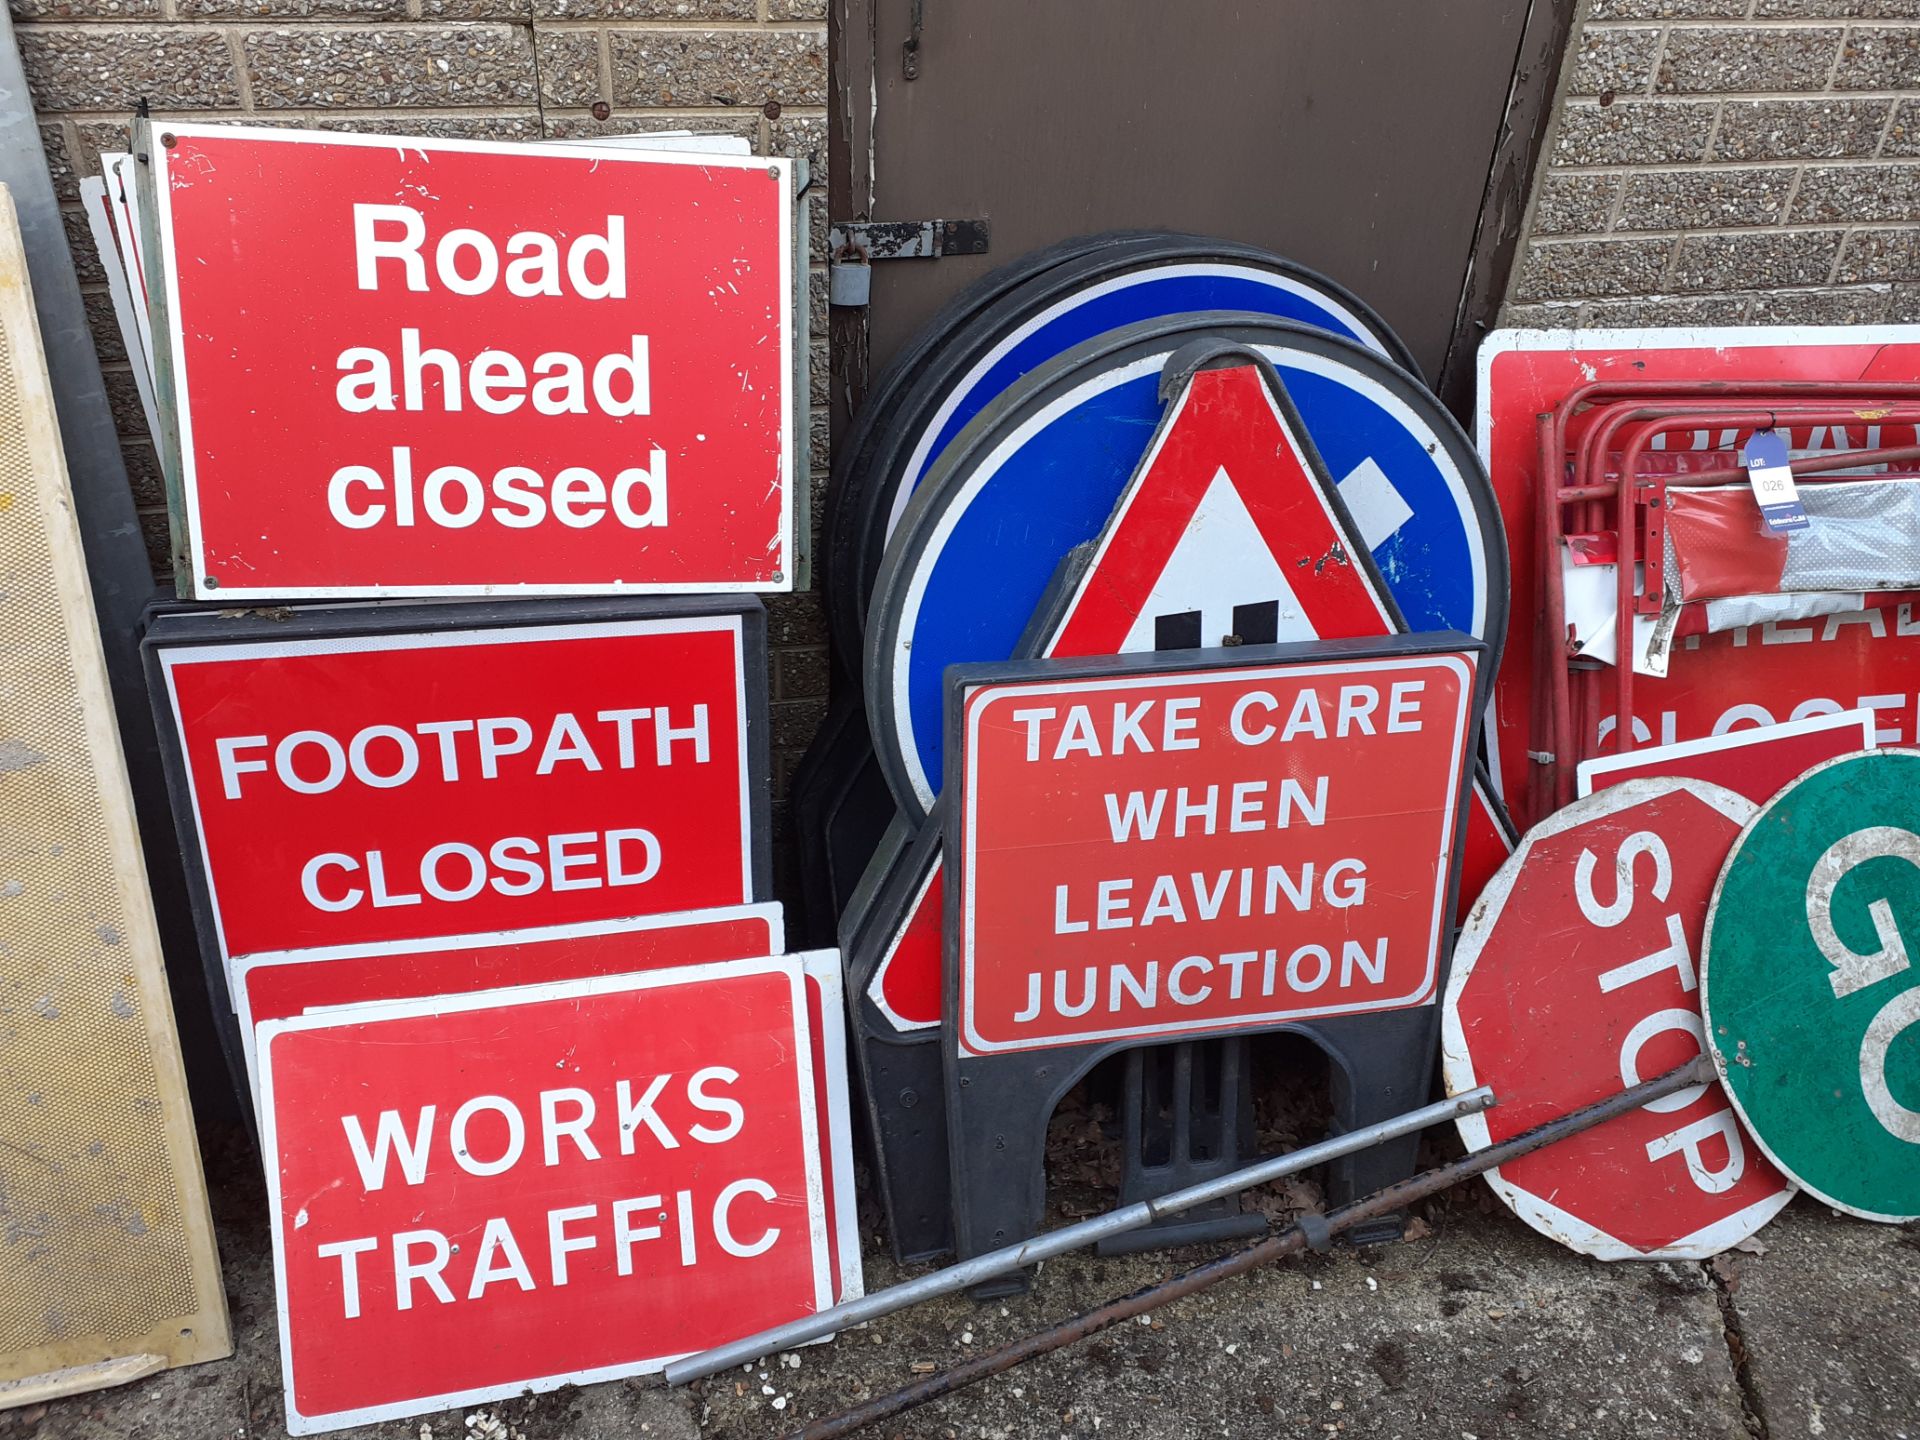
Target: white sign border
180, 395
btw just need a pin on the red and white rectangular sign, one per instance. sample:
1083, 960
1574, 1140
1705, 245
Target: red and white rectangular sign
453, 367
1755, 762
280, 986
377, 788
486, 1195
1165, 853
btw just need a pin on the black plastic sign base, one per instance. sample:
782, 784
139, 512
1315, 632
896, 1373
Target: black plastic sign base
841, 810
902, 1077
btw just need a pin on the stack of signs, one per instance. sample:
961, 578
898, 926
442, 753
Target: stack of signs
1664, 916
1786, 664
1737, 874
542, 1098
1226, 528
1022, 316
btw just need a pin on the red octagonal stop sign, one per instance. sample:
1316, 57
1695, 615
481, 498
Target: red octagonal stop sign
1578, 974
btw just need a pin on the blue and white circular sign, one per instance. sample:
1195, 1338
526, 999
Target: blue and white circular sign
1040, 470
1124, 300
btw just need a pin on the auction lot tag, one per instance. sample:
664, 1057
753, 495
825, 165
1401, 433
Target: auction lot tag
343, 789
480, 1196
1812, 1001
1576, 976
1770, 471
1148, 847
452, 367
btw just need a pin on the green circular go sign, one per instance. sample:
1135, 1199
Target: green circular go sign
1812, 998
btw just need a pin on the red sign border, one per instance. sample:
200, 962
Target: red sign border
1157, 667
818, 1220
174, 394
1456, 1062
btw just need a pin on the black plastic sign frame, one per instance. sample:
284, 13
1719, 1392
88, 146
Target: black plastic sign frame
998, 1105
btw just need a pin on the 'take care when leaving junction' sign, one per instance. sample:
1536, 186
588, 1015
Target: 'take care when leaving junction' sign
1174, 851
449, 367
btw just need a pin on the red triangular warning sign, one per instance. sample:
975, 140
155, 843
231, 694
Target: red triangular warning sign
1229, 528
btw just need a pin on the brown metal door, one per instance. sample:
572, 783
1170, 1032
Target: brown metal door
1353, 136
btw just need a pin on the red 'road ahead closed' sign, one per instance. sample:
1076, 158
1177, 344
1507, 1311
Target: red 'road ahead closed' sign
477, 1195
437, 367
1177, 852
345, 790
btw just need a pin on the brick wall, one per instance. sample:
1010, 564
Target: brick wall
1725, 162
477, 69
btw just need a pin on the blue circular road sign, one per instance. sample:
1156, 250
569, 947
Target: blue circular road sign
1039, 470
982, 344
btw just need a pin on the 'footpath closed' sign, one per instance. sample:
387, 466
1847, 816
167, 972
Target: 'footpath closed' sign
474, 1196
436, 367
361, 788
1167, 853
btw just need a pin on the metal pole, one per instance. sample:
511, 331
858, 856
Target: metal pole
1312, 1231
969, 1273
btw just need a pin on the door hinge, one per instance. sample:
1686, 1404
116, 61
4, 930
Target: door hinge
910, 51
853, 246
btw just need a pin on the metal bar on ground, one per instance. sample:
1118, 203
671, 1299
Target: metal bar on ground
1313, 1231
968, 1273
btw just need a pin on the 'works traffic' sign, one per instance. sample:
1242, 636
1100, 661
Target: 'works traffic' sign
475, 1196
443, 367
1152, 849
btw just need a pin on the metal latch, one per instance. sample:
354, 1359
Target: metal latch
853, 247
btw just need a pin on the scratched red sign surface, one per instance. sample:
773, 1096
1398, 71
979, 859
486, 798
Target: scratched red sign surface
452, 367
1753, 676
392, 787
1577, 975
